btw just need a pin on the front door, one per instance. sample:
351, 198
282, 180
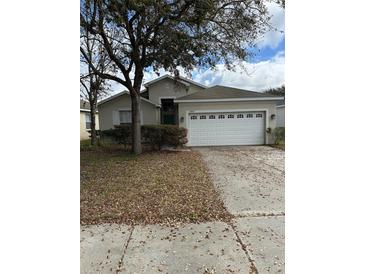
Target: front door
168, 112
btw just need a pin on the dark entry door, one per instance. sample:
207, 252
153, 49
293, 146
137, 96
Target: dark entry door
168, 112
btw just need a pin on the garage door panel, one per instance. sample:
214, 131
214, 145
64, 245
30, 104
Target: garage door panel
227, 131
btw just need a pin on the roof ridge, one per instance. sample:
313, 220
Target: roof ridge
236, 88
172, 78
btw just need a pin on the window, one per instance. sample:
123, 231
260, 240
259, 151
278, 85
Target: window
230, 116
193, 117
240, 116
221, 116
259, 115
88, 120
211, 116
125, 116
203, 117
249, 115
168, 105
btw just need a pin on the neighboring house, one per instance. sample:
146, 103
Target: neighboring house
213, 116
280, 109
85, 120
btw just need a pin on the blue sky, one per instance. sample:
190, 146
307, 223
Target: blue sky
268, 53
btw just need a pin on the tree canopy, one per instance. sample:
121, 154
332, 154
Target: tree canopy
138, 34
276, 91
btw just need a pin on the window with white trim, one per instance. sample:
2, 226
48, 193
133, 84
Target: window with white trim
240, 116
258, 115
221, 116
125, 116
203, 117
249, 115
193, 117
88, 120
211, 116
230, 116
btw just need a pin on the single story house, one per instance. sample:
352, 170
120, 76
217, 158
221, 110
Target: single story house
280, 109
85, 120
213, 116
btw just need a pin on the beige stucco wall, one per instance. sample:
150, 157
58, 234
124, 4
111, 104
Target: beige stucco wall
270, 106
149, 111
281, 116
167, 88
83, 131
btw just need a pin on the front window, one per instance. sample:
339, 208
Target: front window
88, 120
125, 116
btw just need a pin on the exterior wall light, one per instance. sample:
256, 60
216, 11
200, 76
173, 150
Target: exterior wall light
273, 116
182, 119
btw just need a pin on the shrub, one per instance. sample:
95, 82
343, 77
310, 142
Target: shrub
154, 135
121, 134
279, 134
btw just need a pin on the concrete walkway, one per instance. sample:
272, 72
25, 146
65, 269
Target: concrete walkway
251, 183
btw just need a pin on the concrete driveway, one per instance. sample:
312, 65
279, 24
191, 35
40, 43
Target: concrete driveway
250, 180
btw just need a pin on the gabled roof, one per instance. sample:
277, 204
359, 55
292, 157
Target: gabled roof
182, 80
222, 93
123, 93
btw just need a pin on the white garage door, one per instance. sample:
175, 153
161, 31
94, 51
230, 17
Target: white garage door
236, 128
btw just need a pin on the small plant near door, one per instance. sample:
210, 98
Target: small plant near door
279, 135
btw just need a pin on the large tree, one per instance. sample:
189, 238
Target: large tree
140, 34
92, 85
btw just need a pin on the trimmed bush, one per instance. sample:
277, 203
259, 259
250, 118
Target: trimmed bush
155, 135
279, 134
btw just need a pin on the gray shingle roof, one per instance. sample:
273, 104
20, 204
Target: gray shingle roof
222, 92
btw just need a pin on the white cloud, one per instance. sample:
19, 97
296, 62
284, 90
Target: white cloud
252, 76
273, 38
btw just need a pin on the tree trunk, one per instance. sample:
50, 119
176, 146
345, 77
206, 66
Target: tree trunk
93, 129
93, 124
136, 124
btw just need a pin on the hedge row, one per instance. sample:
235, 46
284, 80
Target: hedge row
155, 135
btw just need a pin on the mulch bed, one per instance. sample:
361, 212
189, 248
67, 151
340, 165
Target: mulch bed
154, 187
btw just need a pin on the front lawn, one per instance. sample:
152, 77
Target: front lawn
155, 187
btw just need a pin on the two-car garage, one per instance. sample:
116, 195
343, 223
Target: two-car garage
222, 116
226, 128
